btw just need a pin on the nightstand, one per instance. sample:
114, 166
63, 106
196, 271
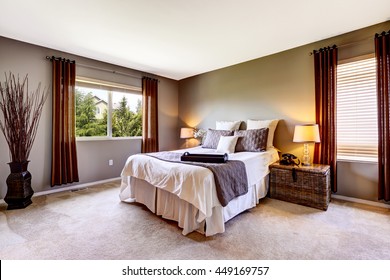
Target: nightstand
304, 185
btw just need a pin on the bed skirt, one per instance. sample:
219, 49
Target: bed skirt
171, 207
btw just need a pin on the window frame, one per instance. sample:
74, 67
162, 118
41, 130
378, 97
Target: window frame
110, 87
351, 158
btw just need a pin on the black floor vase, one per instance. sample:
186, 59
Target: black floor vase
19, 191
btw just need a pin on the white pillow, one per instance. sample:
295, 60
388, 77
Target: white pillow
227, 125
271, 124
227, 144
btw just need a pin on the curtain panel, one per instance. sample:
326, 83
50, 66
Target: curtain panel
149, 115
64, 167
325, 66
382, 55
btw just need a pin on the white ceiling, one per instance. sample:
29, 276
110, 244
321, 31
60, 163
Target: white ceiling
182, 38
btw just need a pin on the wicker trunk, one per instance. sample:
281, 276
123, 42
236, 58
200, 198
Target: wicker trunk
304, 185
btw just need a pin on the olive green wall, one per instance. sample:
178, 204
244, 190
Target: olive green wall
22, 58
279, 86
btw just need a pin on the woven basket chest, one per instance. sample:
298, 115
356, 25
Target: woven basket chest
304, 185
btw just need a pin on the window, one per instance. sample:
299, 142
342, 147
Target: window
107, 110
357, 137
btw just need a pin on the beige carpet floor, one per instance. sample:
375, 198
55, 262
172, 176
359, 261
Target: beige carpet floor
92, 224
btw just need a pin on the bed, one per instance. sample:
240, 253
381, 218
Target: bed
187, 193
191, 194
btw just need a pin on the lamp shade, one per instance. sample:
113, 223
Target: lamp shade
186, 132
306, 133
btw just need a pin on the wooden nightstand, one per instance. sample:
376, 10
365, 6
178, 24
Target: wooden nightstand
304, 185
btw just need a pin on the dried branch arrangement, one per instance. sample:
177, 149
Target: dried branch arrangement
21, 115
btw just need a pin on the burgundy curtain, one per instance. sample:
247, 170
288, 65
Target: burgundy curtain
64, 167
149, 115
382, 54
325, 65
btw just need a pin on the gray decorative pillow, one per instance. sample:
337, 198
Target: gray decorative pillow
254, 140
211, 139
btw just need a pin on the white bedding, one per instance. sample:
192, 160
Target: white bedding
194, 186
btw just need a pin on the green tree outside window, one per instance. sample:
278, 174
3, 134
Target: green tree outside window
125, 123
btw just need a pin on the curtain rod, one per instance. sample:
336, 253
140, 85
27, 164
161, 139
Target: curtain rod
384, 33
116, 72
349, 44
60, 58
108, 70
101, 69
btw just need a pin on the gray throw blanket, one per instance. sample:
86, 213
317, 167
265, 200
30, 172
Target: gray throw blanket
230, 177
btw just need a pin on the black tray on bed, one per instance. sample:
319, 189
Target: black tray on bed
204, 158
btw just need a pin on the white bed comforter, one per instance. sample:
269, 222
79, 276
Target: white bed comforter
193, 184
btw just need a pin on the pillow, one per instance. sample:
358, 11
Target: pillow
227, 144
254, 140
271, 124
227, 125
211, 139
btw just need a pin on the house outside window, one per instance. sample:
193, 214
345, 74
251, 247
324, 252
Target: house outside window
101, 107
106, 110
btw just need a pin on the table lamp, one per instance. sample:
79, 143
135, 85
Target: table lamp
186, 133
306, 133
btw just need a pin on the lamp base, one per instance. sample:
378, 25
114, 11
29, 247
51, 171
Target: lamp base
306, 155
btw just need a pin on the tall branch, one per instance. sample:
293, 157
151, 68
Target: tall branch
21, 115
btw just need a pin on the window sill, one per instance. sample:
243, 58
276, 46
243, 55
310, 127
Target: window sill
97, 138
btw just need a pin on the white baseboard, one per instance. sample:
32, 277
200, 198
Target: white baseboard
76, 187
362, 201
72, 188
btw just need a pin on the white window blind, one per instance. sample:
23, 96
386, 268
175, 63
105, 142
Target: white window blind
357, 129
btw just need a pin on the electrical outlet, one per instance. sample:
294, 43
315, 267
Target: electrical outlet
111, 162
